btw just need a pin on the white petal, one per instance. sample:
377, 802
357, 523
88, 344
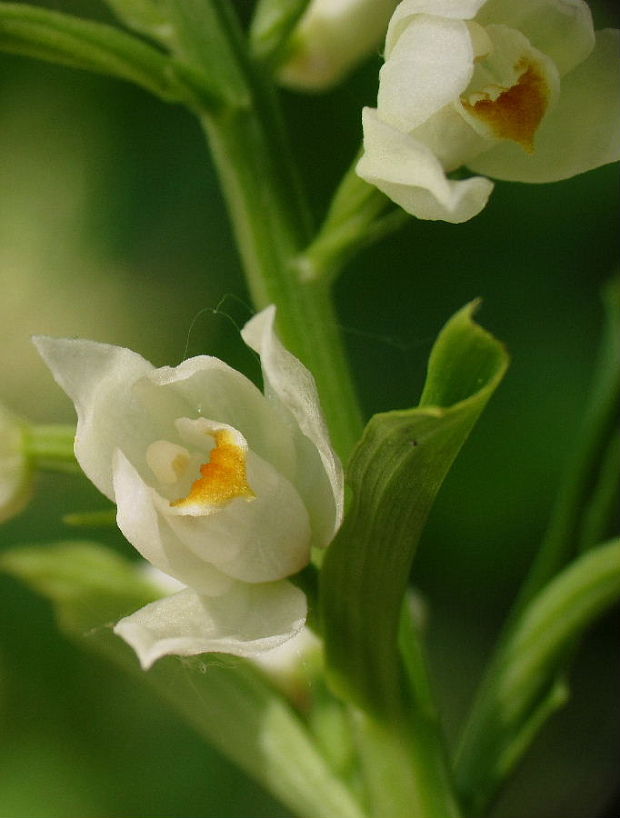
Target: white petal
98, 378
206, 386
149, 533
409, 173
291, 388
450, 137
430, 65
562, 29
408, 9
582, 131
247, 620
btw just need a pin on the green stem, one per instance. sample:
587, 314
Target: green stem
402, 774
270, 221
50, 448
599, 428
404, 757
602, 508
355, 219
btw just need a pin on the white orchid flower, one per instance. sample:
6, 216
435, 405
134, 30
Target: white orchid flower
220, 487
15, 471
332, 37
520, 90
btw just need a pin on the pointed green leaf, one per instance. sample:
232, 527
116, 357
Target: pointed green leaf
89, 585
583, 506
527, 685
395, 474
146, 16
67, 40
226, 699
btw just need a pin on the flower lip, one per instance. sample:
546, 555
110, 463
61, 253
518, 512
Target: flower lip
223, 477
516, 112
502, 88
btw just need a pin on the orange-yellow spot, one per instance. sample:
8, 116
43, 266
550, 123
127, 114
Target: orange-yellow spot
516, 113
223, 478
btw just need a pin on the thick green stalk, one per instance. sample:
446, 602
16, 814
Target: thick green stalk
50, 448
269, 215
359, 215
404, 757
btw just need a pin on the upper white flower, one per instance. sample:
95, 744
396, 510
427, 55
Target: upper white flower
521, 90
332, 37
217, 485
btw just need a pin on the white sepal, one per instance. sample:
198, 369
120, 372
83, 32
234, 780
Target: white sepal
245, 621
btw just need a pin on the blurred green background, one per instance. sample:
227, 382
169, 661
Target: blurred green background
112, 227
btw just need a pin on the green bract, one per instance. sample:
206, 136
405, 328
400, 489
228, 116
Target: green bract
395, 474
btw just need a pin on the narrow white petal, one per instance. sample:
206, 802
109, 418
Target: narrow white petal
411, 175
99, 379
430, 65
582, 131
408, 9
247, 620
149, 533
561, 29
291, 388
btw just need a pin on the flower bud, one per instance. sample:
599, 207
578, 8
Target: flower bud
332, 38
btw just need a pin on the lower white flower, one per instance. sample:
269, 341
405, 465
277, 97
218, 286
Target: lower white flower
521, 90
222, 488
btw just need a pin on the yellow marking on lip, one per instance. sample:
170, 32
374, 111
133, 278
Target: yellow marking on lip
223, 478
516, 112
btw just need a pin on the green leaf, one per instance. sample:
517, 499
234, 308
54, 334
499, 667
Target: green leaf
527, 684
226, 699
207, 39
89, 585
582, 508
272, 25
146, 16
61, 38
395, 474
